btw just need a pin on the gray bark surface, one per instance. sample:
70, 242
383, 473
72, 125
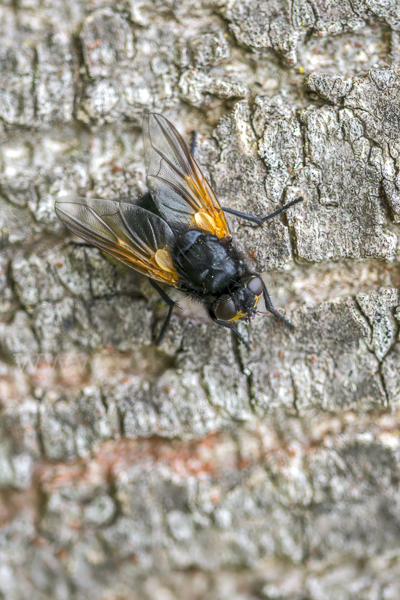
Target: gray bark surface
201, 470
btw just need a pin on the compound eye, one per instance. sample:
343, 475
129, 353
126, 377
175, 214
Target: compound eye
226, 311
256, 286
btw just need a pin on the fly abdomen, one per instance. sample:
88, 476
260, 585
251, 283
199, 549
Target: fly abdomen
204, 262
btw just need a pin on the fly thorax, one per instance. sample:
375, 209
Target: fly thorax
204, 261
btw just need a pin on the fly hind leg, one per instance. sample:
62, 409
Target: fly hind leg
193, 143
74, 244
171, 304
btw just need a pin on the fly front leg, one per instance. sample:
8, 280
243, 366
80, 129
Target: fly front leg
171, 303
234, 329
237, 213
271, 309
258, 220
283, 209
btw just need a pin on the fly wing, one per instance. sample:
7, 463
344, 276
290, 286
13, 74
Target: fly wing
179, 188
130, 233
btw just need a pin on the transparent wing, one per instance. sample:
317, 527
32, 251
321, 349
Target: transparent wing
178, 186
130, 233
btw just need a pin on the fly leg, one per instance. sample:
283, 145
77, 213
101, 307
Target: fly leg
258, 220
271, 309
237, 213
80, 244
281, 210
171, 303
234, 329
193, 143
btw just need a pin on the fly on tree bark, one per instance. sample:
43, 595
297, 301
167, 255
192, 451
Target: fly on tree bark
176, 234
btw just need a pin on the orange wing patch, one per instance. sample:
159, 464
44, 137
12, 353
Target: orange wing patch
107, 224
163, 259
211, 217
175, 179
158, 266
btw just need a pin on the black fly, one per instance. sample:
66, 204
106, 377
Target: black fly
176, 234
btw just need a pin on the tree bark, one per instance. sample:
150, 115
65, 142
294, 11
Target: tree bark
202, 470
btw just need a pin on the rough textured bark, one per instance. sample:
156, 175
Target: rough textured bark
202, 470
